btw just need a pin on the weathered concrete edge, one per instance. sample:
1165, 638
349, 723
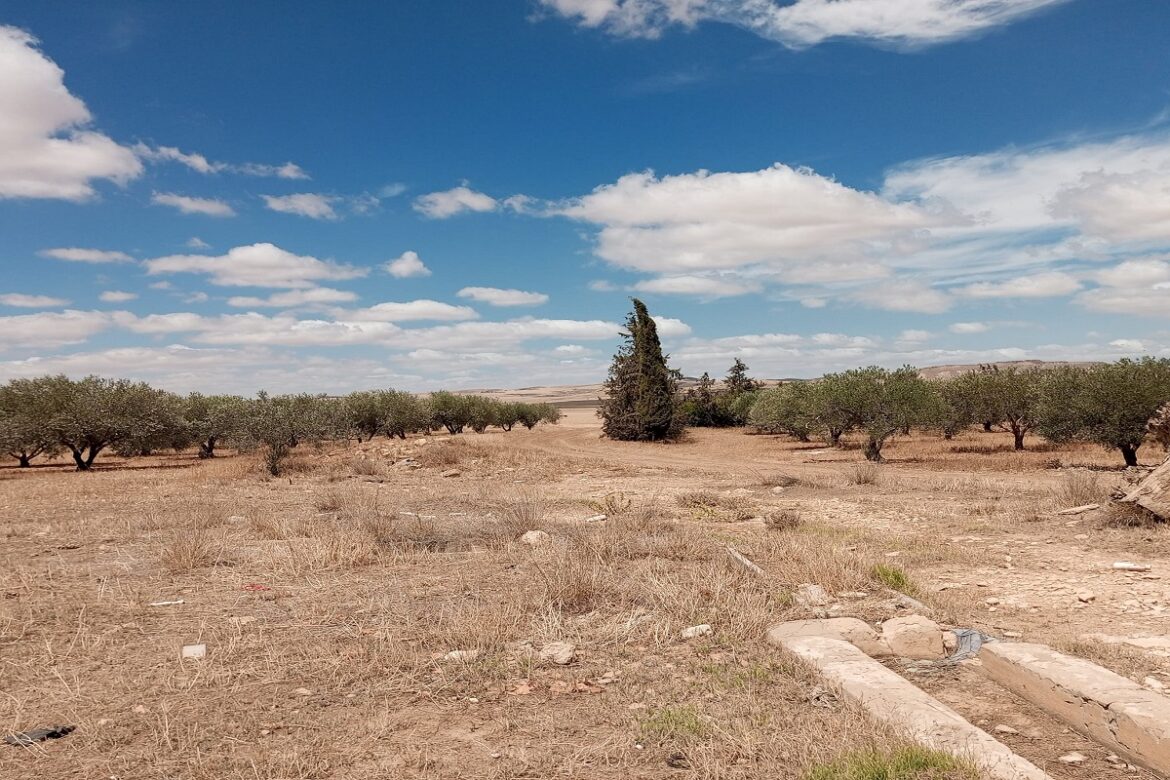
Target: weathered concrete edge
1118, 713
895, 701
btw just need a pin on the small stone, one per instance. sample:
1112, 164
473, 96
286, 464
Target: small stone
466, 656
991, 602
1003, 729
777, 490
694, 632
1012, 635
950, 642
140, 709
595, 518
1154, 684
1086, 596
536, 538
560, 653
452, 473
809, 595
194, 651
302, 692
1074, 758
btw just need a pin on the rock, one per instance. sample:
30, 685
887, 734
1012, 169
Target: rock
694, 632
914, 605
1074, 758
991, 602
950, 642
854, 595
1076, 510
1154, 684
194, 651
466, 656
1128, 566
914, 636
302, 692
1086, 596
1002, 729
452, 473
560, 653
777, 490
536, 538
808, 595
595, 518
858, 633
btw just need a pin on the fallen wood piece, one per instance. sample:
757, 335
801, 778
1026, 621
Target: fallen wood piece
1153, 492
738, 558
1076, 510
1127, 566
176, 602
26, 738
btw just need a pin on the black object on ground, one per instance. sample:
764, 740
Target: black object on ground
26, 738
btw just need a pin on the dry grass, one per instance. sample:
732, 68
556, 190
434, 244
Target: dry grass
1081, 487
196, 541
862, 474
709, 505
782, 520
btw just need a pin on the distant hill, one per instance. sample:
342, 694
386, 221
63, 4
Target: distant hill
587, 395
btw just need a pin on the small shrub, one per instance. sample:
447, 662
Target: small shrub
708, 505
365, 467
893, 578
1080, 488
906, 763
195, 545
329, 501
574, 581
778, 479
783, 520
524, 512
862, 474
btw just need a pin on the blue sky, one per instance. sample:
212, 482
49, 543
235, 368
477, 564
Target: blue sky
230, 196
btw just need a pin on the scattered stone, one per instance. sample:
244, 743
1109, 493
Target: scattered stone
1154, 684
809, 595
560, 653
694, 632
466, 656
452, 473
1073, 759
1077, 510
854, 595
914, 636
1127, 566
1086, 596
1003, 729
595, 519
992, 602
777, 490
194, 651
536, 538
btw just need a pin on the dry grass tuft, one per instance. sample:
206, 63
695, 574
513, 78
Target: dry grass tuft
1081, 487
365, 467
444, 453
776, 479
709, 505
862, 474
197, 542
782, 520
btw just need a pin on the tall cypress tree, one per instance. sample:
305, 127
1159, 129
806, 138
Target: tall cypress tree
642, 402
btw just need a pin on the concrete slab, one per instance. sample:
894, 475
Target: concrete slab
895, 701
1118, 713
852, 630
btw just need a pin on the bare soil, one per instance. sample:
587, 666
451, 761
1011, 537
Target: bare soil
331, 599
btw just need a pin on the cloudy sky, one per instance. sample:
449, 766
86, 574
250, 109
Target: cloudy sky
223, 196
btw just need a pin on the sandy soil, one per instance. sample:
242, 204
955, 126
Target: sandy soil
330, 600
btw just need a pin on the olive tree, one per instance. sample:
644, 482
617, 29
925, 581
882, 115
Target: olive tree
1159, 427
955, 408
785, 409
1109, 404
879, 402
451, 411
212, 419
404, 413
1008, 398
24, 433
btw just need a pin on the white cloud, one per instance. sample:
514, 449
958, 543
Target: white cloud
79, 255
914, 336
1138, 286
602, 285
22, 301
392, 190
782, 219
195, 242
407, 265
905, 295
692, 284
440, 205
422, 309
969, 327
1042, 285
670, 327
256, 265
571, 349
498, 297
903, 23
46, 150
201, 164
117, 296
210, 207
304, 204
1128, 345
45, 330
307, 297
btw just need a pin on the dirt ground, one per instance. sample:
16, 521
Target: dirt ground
374, 613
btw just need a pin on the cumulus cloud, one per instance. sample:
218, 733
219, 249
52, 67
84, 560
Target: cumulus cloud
906, 295
1138, 286
691, 284
406, 266
441, 205
291, 298
211, 207
422, 309
117, 296
79, 255
45, 330
23, 301
304, 204
201, 164
499, 297
1042, 285
256, 265
902, 23
969, 327
46, 148
195, 242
